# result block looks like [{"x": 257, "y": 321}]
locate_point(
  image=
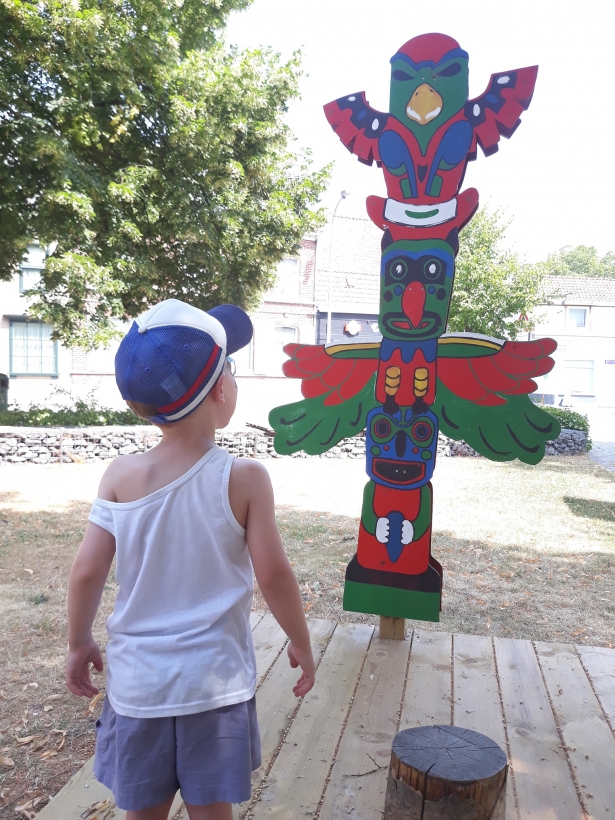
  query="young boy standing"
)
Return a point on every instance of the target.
[{"x": 187, "y": 523}]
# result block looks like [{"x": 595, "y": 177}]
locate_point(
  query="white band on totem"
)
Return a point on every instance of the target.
[{"x": 419, "y": 216}]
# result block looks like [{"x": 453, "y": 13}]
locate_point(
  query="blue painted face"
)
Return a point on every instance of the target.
[{"x": 401, "y": 449}]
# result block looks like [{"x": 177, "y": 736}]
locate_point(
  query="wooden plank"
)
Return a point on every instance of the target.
[
  {"x": 298, "y": 776},
  {"x": 269, "y": 639},
  {"x": 357, "y": 786},
  {"x": 83, "y": 791},
  {"x": 276, "y": 704},
  {"x": 428, "y": 689},
  {"x": 543, "y": 782},
  {"x": 588, "y": 737},
  {"x": 599, "y": 663},
  {"x": 255, "y": 619},
  {"x": 476, "y": 698}
]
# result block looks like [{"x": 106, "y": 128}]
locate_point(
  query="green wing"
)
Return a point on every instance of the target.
[
  {"x": 311, "y": 426},
  {"x": 516, "y": 429}
]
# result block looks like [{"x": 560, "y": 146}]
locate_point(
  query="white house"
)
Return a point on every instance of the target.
[
  {"x": 581, "y": 318},
  {"x": 341, "y": 265}
]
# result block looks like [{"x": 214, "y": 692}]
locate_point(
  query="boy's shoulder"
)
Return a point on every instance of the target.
[
  {"x": 250, "y": 470},
  {"x": 123, "y": 469}
]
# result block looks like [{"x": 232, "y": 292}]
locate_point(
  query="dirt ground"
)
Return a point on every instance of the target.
[{"x": 528, "y": 552}]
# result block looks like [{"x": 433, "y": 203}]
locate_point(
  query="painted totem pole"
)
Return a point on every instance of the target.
[{"x": 418, "y": 379}]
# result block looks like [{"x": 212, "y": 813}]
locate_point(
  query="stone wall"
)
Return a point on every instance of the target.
[{"x": 47, "y": 445}]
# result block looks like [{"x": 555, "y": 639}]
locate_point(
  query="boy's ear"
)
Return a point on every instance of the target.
[{"x": 218, "y": 389}]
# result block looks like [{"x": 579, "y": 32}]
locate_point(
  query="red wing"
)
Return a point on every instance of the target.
[
  {"x": 339, "y": 379},
  {"x": 496, "y": 112},
  {"x": 357, "y": 125},
  {"x": 483, "y": 380}
]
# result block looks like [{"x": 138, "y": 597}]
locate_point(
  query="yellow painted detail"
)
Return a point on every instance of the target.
[
  {"x": 456, "y": 340},
  {"x": 421, "y": 374},
  {"x": 392, "y": 380},
  {"x": 331, "y": 350},
  {"x": 421, "y": 381},
  {"x": 424, "y": 105}
]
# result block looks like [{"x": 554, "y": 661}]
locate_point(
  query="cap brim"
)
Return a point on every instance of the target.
[{"x": 236, "y": 323}]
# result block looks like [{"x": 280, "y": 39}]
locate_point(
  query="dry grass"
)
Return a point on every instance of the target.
[{"x": 528, "y": 552}]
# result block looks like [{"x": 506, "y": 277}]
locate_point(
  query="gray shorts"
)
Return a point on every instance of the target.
[{"x": 208, "y": 755}]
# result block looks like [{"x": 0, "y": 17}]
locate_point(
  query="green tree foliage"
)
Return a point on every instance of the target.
[
  {"x": 157, "y": 158},
  {"x": 580, "y": 261},
  {"x": 494, "y": 292}
]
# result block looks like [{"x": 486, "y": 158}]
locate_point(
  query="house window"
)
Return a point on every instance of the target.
[
  {"x": 32, "y": 350},
  {"x": 579, "y": 375},
  {"x": 577, "y": 318},
  {"x": 29, "y": 278},
  {"x": 287, "y": 282}
]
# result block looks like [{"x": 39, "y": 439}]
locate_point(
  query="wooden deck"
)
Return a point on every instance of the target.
[{"x": 550, "y": 706}]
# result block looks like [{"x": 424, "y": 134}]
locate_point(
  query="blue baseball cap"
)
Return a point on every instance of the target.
[{"x": 173, "y": 354}]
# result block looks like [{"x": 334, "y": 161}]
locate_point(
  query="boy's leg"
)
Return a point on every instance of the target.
[
  {"x": 160, "y": 812},
  {"x": 212, "y": 811}
]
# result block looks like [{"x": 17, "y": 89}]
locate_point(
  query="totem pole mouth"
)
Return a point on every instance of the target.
[
  {"x": 398, "y": 472},
  {"x": 424, "y": 105},
  {"x": 399, "y": 327}
]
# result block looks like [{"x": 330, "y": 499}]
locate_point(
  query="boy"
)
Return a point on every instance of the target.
[{"x": 186, "y": 522}]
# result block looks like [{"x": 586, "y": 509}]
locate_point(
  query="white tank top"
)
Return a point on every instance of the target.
[{"x": 179, "y": 636}]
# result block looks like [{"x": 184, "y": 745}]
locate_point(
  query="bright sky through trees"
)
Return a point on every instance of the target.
[{"x": 555, "y": 176}]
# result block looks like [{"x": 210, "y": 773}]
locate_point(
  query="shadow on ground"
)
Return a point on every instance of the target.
[
  {"x": 591, "y": 508},
  {"x": 511, "y": 591}
]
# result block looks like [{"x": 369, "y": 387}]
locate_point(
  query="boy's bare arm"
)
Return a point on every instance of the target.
[
  {"x": 272, "y": 569},
  {"x": 87, "y": 579}
]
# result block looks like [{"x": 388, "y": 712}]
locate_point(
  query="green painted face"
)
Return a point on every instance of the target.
[
  {"x": 425, "y": 98},
  {"x": 415, "y": 290}
]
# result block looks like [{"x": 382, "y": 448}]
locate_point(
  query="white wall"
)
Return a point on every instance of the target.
[{"x": 578, "y": 348}]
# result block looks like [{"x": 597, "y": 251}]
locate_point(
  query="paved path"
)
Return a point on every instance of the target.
[
  {"x": 603, "y": 452},
  {"x": 602, "y": 432}
]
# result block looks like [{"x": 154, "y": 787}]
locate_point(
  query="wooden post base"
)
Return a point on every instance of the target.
[
  {"x": 392, "y": 628},
  {"x": 445, "y": 773}
]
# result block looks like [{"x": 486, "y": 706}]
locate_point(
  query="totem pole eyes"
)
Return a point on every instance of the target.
[
  {"x": 415, "y": 293},
  {"x": 401, "y": 449},
  {"x": 424, "y": 94}
]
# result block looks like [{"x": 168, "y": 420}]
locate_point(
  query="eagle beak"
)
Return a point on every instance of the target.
[{"x": 424, "y": 104}]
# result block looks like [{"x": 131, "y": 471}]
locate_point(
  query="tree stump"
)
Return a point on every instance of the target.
[
  {"x": 445, "y": 773},
  {"x": 392, "y": 628}
]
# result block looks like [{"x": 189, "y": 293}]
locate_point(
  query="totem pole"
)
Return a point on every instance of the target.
[{"x": 418, "y": 379}]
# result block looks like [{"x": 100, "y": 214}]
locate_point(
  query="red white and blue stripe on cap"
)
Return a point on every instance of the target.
[{"x": 174, "y": 353}]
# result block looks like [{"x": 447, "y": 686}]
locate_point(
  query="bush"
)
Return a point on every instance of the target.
[
  {"x": 569, "y": 419},
  {"x": 64, "y": 411}
]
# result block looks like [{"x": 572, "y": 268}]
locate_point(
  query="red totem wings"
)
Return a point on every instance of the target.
[
  {"x": 322, "y": 375},
  {"x": 482, "y": 379}
]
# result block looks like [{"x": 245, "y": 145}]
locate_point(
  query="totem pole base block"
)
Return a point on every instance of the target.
[{"x": 374, "y": 599}]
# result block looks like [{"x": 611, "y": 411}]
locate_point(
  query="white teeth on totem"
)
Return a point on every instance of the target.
[
  {"x": 382, "y": 530},
  {"x": 407, "y": 532}
]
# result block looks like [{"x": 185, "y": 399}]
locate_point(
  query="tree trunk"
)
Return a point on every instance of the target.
[{"x": 445, "y": 773}]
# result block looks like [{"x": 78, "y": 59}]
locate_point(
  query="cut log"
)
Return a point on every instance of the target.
[
  {"x": 392, "y": 628},
  {"x": 445, "y": 773}
]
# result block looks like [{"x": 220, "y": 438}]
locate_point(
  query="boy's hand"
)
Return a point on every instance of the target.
[
  {"x": 78, "y": 669},
  {"x": 304, "y": 659}
]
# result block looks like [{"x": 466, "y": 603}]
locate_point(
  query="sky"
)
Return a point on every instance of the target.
[{"x": 555, "y": 178}]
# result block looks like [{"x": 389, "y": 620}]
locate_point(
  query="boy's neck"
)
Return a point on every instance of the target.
[{"x": 196, "y": 432}]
